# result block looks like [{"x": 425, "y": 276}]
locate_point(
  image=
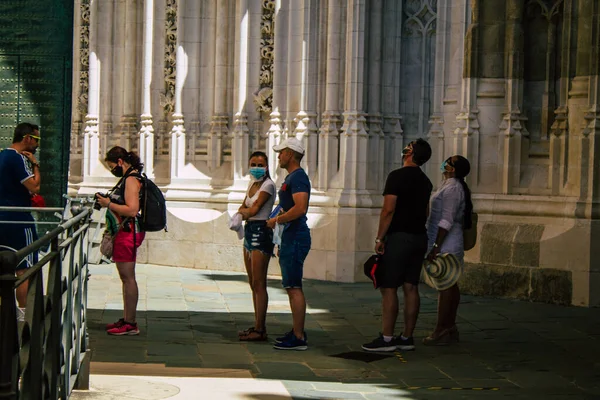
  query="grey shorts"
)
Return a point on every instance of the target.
[{"x": 403, "y": 258}]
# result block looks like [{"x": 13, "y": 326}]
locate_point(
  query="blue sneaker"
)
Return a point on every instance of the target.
[
  {"x": 293, "y": 343},
  {"x": 288, "y": 335}
]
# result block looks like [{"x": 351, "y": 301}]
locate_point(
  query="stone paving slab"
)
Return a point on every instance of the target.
[{"x": 189, "y": 321}]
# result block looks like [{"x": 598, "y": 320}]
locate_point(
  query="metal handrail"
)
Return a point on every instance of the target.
[{"x": 47, "y": 356}]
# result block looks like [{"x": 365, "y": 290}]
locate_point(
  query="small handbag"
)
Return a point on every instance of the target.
[
  {"x": 470, "y": 235},
  {"x": 107, "y": 244}
]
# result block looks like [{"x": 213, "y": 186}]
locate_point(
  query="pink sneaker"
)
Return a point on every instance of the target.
[
  {"x": 114, "y": 325},
  {"x": 125, "y": 329}
]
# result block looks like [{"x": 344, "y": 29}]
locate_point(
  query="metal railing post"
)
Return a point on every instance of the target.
[{"x": 9, "y": 340}]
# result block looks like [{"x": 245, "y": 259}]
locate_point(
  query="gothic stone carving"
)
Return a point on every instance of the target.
[
  {"x": 84, "y": 61},
  {"x": 263, "y": 98},
  {"x": 421, "y": 17},
  {"x": 167, "y": 99}
]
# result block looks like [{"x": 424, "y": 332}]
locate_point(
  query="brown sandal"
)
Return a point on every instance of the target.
[
  {"x": 246, "y": 332},
  {"x": 254, "y": 336}
]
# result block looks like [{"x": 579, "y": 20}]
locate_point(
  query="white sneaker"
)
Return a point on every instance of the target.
[{"x": 20, "y": 314}]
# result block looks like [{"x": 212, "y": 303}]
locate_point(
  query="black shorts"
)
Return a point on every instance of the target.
[{"x": 403, "y": 259}]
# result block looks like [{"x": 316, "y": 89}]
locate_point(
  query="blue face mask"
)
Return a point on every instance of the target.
[
  {"x": 443, "y": 166},
  {"x": 258, "y": 172}
]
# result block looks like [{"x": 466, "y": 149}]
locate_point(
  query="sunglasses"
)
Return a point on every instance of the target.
[{"x": 36, "y": 137}]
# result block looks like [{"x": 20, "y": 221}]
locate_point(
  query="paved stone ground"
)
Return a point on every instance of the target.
[{"x": 189, "y": 321}]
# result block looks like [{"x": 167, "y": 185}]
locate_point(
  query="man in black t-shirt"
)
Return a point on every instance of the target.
[{"x": 402, "y": 243}]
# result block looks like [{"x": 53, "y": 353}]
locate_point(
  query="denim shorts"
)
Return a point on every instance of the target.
[
  {"x": 292, "y": 253},
  {"x": 257, "y": 236}
]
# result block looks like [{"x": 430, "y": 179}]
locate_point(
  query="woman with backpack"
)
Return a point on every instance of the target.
[
  {"x": 123, "y": 207},
  {"x": 258, "y": 241},
  {"x": 450, "y": 213}
]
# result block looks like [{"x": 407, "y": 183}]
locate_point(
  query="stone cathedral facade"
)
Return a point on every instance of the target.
[{"x": 513, "y": 85}]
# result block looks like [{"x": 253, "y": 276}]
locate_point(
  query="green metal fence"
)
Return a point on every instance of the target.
[
  {"x": 36, "y": 51},
  {"x": 46, "y": 356}
]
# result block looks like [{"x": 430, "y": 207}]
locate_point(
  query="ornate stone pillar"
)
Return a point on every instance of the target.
[
  {"x": 588, "y": 53},
  {"x": 127, "y": 126},
  {"x": 146, "y": 133},
  {"x": 330, "y": 120},
  {"x": 354, "y": 137},
  {"x": 391, "y": 78},
  {"x": 178, "y": 142},
  {"x": 241, "y": 139},
  {"x": 375, "y": 171},
  {"x": 306, "y": 119},
  {"x": 560, "y": 128},
  {"x": 578, "y": 144},
  {"x": 110, "y": 61},
  {"x": 435, "y": 135},
  {"x": 512, "y": 127},
  {"x": 91, "y": 147},
  {"x": 466, "y": 134},
  {"x": 220, "y": 117},
  {"x": 275, "y": 134}
]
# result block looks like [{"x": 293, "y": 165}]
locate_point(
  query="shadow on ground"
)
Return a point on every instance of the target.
[{"x": 192, "y": 317}]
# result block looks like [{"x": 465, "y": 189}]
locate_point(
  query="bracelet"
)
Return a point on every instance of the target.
[
  {"x": 377, "y": 240},
  {"x": 435, "y": 245}
]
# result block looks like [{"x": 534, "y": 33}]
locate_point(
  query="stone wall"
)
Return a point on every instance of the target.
[{"x": 512, "y": 85}]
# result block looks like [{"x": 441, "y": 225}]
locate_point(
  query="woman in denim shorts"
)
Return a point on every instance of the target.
[{"x": 258, "y": 241}]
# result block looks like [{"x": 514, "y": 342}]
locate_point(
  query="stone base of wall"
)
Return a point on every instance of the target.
[{"x": 533, "y": 284}]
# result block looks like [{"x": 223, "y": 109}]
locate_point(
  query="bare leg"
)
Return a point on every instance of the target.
[
  {"x": 249, "y": 271},
  {"x": 298, "y": 306},
  {"x": 448, "y": 301},
  {"x": 130, "y": 290},
  {"x": 260, "y": 264},
  {"x": 389, "y": 309},
  {"x": 412, "y": 303},
  {"x": 22, "y": 290}
]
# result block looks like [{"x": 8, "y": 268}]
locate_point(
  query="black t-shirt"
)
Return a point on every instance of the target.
[{"x": 413, "y": 189}]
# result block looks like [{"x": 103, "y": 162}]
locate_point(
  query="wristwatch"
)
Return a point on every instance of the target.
[
  {"x": 435, "y": 245},
  {"x": 377, "y": 240}
]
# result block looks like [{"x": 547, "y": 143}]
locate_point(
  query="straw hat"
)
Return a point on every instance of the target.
[{"x": 443, "y": 272}]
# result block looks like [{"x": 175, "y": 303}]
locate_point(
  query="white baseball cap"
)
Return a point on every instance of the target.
[{"x": 290, "y": 143}]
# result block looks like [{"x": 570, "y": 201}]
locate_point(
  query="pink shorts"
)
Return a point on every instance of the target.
[{"x": 123, "y": 249}]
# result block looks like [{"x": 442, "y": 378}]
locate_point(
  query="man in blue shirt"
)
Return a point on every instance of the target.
[
  {"x": 19, "y": 178},
  {"x": 294, "y": 196}
]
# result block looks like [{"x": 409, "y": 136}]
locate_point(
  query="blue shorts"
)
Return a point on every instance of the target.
[
  {"x": 14, "y": 237},
  {"x": 292, "y": 253},
  {"x": 258, "y": 236}
]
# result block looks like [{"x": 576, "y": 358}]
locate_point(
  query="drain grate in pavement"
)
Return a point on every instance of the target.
[{"x": 362, "y": 356}]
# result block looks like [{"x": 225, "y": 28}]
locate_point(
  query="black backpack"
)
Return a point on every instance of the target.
[{"x": 153, "y": 207}]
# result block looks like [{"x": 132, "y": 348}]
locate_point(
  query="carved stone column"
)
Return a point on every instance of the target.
[
  {"x": 512, "y": 126},
  {"x": 276, "y": 129},
  {"x": 127, "y": 128},
  {"x": 241, "y": 139},
  {"x": 306, "y": 120},
  {"x": 391, "y": 79},
  {"x": 375, "y": 174},
  {"x": 435, "y": 135},
  {"x": 590, "y": 140},
  {"x": 354, "y": 137},
  {"x": 91, "y": 150},
  {"x": 146, "y": 134},
  {"x": 220, "y": 119},
  {"x": 466, "y": 134},
  {"x": 178, "y": 142},
  {"x": 330, "y": 119},
  {"x": 560, "y": 128}
]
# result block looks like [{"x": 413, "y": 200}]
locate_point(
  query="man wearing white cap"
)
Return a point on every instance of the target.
[{"x": 295, "y": 240}]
